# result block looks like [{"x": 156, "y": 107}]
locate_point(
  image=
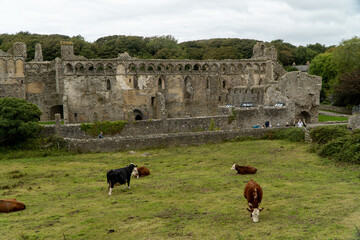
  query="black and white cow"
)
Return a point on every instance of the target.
[{"x": 121, "y": 176}]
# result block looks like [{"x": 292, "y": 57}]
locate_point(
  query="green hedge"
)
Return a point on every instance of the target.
[
  {"x": 337, "y": 142},
  {"x": 324, "y": 134},
  {"x": 107, "y": 127},
  {"x": 291, "y": 134}
]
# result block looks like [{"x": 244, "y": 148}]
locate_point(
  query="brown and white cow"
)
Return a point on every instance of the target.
[
  {"x": 11, "y": 205},
  {"x": 140, "y": 172},
  {"x": 244, "y": 169},
  {"x": 253, "y": 194}
]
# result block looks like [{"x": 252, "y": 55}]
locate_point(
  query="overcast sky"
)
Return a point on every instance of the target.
[{"x": 298, "y": 22}]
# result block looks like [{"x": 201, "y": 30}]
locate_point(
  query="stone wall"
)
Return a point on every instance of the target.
[
  {"x": 164, "y": 140},
  {"x": 336, "y": 109},
  {"x": 233, "y": 119},
  {"x": 41, "y": 88}
]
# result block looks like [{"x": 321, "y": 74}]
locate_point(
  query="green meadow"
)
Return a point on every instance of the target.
[
  {"x": 191, "y": 193},
  {"x": 326, "y": 118}
]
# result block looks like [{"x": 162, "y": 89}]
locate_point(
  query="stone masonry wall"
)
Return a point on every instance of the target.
[{"x": 165, "y": 140}]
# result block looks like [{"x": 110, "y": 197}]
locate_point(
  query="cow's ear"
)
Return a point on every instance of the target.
[
  {"x": 260, "y": 209},
  {"x": 248, "y": 209}
]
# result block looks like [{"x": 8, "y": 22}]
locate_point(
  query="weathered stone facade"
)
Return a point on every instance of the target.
[{"x": 86, "y": 90}]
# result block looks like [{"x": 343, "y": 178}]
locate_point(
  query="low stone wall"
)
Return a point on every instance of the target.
[
  {"x": 354, "y": 122},
  {"x": 241, "y": 119},
  {"x": 114, "y": 144},
  {"x": 336, "y": 109},
  {"x": 176, "y": 125}
]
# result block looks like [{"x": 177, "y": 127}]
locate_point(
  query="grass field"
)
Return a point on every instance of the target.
[
  {"x": 190, "y": 194},
  {"x": 326, "y": 118}
]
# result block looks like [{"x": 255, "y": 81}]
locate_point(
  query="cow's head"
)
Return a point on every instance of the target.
[
  {"x": 135, "y": 172},
  {"x": 132, "y": 165},
  {"x": 255, "y": 212},
  {"x": 233, "y": 167}
]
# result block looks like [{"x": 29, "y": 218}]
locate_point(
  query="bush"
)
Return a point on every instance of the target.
[
  {"x": 338, "y": 143},
  {"x": 291, "y": 134},
  {"x": 332, "y": 148},
  {"x": 18, "y": 121},
  {"x": 107, "y": 127},
  {"x": 324, "y": 134}
]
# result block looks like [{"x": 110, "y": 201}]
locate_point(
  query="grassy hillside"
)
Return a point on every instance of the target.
[{"x": 190, "y": 194}]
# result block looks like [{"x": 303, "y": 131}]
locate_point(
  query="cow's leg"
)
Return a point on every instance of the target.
[
  {"x": 110, "y": 188},
  {"x": 128, "y": 182}
]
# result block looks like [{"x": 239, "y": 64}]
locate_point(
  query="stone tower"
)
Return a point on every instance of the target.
[
  {"x": 67, "y": 50},
  {"x": 38, "y": 53}
]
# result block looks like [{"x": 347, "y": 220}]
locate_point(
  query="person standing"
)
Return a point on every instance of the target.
[{"x": 300, "y": 123}]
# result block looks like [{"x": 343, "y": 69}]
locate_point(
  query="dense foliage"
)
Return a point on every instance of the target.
[
  {"x": 107, "y": 127},
  {"x": 291, "y": 134},
  {"x": 337, "y": 142},
  {"x": 339, "y": 68},
  {"x": 347, "y": 91},
  {"x": 322, "y": 65},
  {"x": 158, "y": 47},
  {"x": 18, "y": 120}
]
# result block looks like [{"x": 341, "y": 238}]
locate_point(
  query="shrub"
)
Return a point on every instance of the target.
[
  {"x": 107, "y": 127},
  {"x": 292, "y": 134},
  {"x": 18, "y": 121},
  {"x": 332, "y": 148},
  {"x": 344, "y": 149},
  {"x": 324, "y": 134},
  {"x": 212, "y": 125}
]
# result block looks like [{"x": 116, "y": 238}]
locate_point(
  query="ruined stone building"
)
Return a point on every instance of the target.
[{"x": 87, "y": 90}]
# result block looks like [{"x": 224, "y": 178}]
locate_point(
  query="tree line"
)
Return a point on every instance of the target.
[{"x": 159, "y": 47}]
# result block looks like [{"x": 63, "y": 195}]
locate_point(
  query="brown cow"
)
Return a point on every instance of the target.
[
  {"x": 140, "y": 172},
  {"x": 244, "y": 169},
  {"x": 11, "y": 205},
  {"x": 253, "y": 193}
]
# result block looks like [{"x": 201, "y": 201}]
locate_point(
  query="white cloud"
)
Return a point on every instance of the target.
[{"x": 298, "y": 22}]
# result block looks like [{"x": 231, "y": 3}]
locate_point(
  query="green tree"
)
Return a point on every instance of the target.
[
  {"x": 347, "y": 92},
  {"x": 322, "y": 65},
  {"x": 157, "y": 43},
  {"x": 18, "y": 120},
  {"x": 286, "y": 51},
  {"x": 346, "y": 56},
  {"x": 304, "y": 55},
  {"x": 221, "y": 53}
]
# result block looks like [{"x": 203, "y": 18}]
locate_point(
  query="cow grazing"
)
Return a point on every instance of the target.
[
  {"x": 121, "y": 176},
  {"x": 140, "y": 172},
  {"x": 253, "y": 193},
  {"x": 244, "y": 169},
  {"x": 11, "y": 205}
]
